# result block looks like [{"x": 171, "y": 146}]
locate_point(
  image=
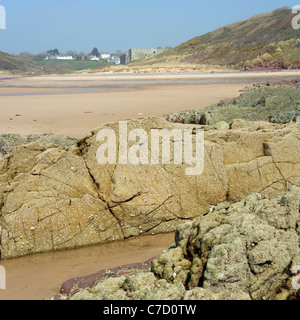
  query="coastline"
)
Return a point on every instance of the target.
[{"x": 37, "y": 105}]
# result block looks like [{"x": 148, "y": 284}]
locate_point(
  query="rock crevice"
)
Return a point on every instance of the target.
[
  {"x": 248, "y": 250},
  {"x": 55, "y": 197}
]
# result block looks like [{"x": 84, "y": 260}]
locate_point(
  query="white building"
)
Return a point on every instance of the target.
[
  {"x": 94, "y": 58},
  {"x": 64, "y": 58},
  {"x": 59, "y": 58},
  {"x": 104, "y": 55}
]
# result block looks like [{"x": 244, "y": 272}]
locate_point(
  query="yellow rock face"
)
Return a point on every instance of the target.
[{"x": 54, "y": 198}]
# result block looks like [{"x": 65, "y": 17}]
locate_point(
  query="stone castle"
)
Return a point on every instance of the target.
[{"x": 140, "y": 54}]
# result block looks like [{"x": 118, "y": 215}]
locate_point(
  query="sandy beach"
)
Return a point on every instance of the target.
[
  {"x": 76, "y": 104},
  {"x": 76, "y": 114}
]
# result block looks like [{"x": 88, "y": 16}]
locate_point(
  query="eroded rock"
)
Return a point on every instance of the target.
[
  {"x": 247, "y": 250},
  {"x": 56, "y": 198}
]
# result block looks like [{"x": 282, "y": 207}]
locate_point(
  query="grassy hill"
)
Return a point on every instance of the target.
[
  {"x": 13, "y": 64},
  {"x": 9, "y": 63},
  {"x": 264, "y": 38}
]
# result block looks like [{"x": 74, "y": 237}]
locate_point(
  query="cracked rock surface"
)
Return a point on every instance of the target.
[
  {"x": 244, "y": 251},
  {"x": 55, "y": 198}
]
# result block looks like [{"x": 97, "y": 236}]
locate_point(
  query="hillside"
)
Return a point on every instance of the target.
[
  {"x": 9, "y": 63},
  {"x": 266, "y": 40},
  {"x": 14, "y": 64}
]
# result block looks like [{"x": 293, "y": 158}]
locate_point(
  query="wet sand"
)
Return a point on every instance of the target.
[
  {"x": 77, "y": 114},
  {"x": 41, "y": 276},
  {"x": 35, "y": 105}
]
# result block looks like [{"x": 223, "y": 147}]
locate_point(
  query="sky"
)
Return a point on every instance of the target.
[{"x": 37, "y": 25}]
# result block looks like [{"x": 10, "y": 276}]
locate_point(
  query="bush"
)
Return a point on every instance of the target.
[{"x": 277, "y": 104}]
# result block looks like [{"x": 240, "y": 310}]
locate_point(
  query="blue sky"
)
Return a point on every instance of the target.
[{"x": 37, "y": 25}]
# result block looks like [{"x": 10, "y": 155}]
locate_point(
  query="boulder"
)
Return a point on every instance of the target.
[
  {"x": 247, "y": 247},
  {"x": 57, "y": 198},
  {"x": 50, "y": 202},
  {"x": 248, "y": 250}
]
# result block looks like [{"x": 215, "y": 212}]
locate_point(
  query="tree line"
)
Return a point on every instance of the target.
[{"x": 55, "y": 52}]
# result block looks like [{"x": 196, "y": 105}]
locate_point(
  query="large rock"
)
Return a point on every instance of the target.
[
  {"x": 154, "y": 198},
  {"x": 247, "y": 250},
  {"x": 247, "y": 247},
  {"x": 50, "y": 202},
  {"x": 57, "y": 198}
]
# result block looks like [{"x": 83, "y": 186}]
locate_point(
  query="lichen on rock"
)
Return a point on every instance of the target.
[{"x": 244, "y": 251}]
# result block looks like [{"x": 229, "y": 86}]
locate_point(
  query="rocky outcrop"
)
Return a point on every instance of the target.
[
  {"x": 55, "y": 138},
  {"x": 249, "y": 247},
  {"x": 9, "y": 141},
  {"x": 274, "y": 66},
  {"x": 275, "y": 102},
  {"x": 56, "y": 198},
  {"x": 245, "y": 251},
  {"x": 72, "y": 286}
]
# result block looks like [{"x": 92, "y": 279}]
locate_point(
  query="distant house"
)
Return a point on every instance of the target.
[
  {"x": 104, "y": 55},
  {"x": 51, "y": 57},
  {"x": 94, "y": 58},
  {"x": 114, "y": 59},
  {"x": 64, "y": 58}
]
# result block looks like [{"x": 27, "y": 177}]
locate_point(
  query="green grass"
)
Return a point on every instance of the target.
[{"x": 63, "y": 66}]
